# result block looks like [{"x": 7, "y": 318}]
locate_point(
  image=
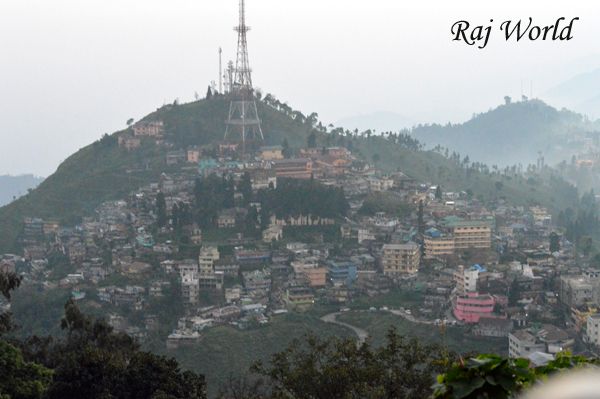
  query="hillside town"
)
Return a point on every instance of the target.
[{"x": 497, "y": 270}]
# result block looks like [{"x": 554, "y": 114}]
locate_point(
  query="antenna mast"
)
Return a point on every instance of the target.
[
  {"x": 243, "y": 114},
  {"x": 220, "y": 70}
]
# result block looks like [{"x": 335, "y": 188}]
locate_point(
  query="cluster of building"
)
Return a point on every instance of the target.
[{"x": 489, "y": 268}]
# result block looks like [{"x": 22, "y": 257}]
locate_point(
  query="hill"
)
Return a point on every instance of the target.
[
  {"x": 579, "y": 93},
  {"x": 103, "y": 171},
  {"x": 12, "y": 187},
  {"x": 512, "y": 133}
]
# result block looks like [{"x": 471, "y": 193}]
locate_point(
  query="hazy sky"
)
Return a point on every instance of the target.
[{"x": 72, "y": 70}]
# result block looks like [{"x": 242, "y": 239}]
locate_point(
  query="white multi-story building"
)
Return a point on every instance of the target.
[
  {"x": 592, "y": 333},
  {"x": 207, "y": 258},
  {"x": 190, "y": 287},
  {"x": 466, "y": 279}
]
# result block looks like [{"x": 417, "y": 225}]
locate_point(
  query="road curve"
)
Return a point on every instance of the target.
[{"x": 360, "y": 333}]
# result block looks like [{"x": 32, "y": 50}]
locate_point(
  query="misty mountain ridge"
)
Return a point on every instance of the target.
[
  {"x": 513, "y": 133},
  {"x": 580, "y": 93},
  {"x": 13, "y": 187}
]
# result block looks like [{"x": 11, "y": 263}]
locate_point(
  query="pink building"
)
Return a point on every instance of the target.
[{"x": 471, "y": 307}]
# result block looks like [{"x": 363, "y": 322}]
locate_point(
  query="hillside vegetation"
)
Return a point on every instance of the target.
[{"x": 102, "y": 171}]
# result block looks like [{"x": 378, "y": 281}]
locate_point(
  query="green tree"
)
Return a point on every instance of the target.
[
  {"x": 491, "y": 376},
  {"x": 161, "y": 210},
  {"x": 251, "y": 220},
  {"x": 554, "y": 242},
  {"x": 20, "y": 379},
  {"x": 438, "y": 193},
  {"x": 287, "y": 151},
  {"x": 245, "y": 188},
  {"x": 336, "y": 368},
  {"x": 311, "y": 141},
  {"x": 93, "y": 361},
  {"x": 8, "y": 282},
  {"x": 514, "y": 293},
  {"x": 586, "y": 244}
]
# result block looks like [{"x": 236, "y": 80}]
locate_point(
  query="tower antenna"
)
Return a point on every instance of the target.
[
  {"x": 220, "y": 70},
  {"x": 243, "y": 114}
]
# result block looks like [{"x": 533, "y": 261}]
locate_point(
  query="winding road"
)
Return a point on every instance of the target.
[{"x": 360, "y": 333}]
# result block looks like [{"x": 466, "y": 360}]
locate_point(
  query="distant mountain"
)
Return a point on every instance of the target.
[
  {"x": 12, "y": 187},
  {"x": 379, "y": 121},
  {"x": 513, "y": 133},
  {"x": 580, "y": 93}
]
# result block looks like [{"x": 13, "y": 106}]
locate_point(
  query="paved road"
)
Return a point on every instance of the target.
[
  {"x": 409, "y": 317},
  {"x": 361, "y": 334}
]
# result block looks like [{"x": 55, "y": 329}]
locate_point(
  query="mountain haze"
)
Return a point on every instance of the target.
[
  {"x": 580, "y": 93},
  {"x": 514, "y": 133}
]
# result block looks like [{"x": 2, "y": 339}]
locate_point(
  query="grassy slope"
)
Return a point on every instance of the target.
[
  {"x": 226, "y": 351},
  {"x": 377, "y": 324}
]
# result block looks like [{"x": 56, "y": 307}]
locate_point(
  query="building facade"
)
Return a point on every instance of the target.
[{"x": 401, "y": 259}]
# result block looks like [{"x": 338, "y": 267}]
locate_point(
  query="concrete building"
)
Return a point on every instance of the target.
[
  {"x": 271, "y": 153},
  {"x": 437, "y": 245},
  {"x": 188, "y": 277},
  {"x": 341, "y": 273},
  {"x": 466, "y": 279},
  {"x": 577, "y": 291},
  {"x": 208, "y": 277},
  {"x": 300, "y": 168},
  {"x": 471, "y": 234},
  {"x": 401, "y": 259},
  {"x": 299, "y": 298},
  {"x": 546, "y": 339},
  {"x": 149, "y": 128},
  {"x": 592, "y": 333},
  {"x": 379, "y": 184},
  {"x": 522, "y": 343},
  {"x": 207, "y": 258},
  {"x": 193, "y": 155},
  {"x": 471, "y": 307}
]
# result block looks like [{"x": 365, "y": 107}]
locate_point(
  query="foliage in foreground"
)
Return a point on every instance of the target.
[
  {"x": 90, "y": 361},
  {"x": 491, "y": 376},
  {"x": 403, "y": 368}
]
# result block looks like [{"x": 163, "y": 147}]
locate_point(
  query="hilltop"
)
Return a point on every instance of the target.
[
  {"x": 103, "y": 171},
  {"x": 513, "y": 133}
]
